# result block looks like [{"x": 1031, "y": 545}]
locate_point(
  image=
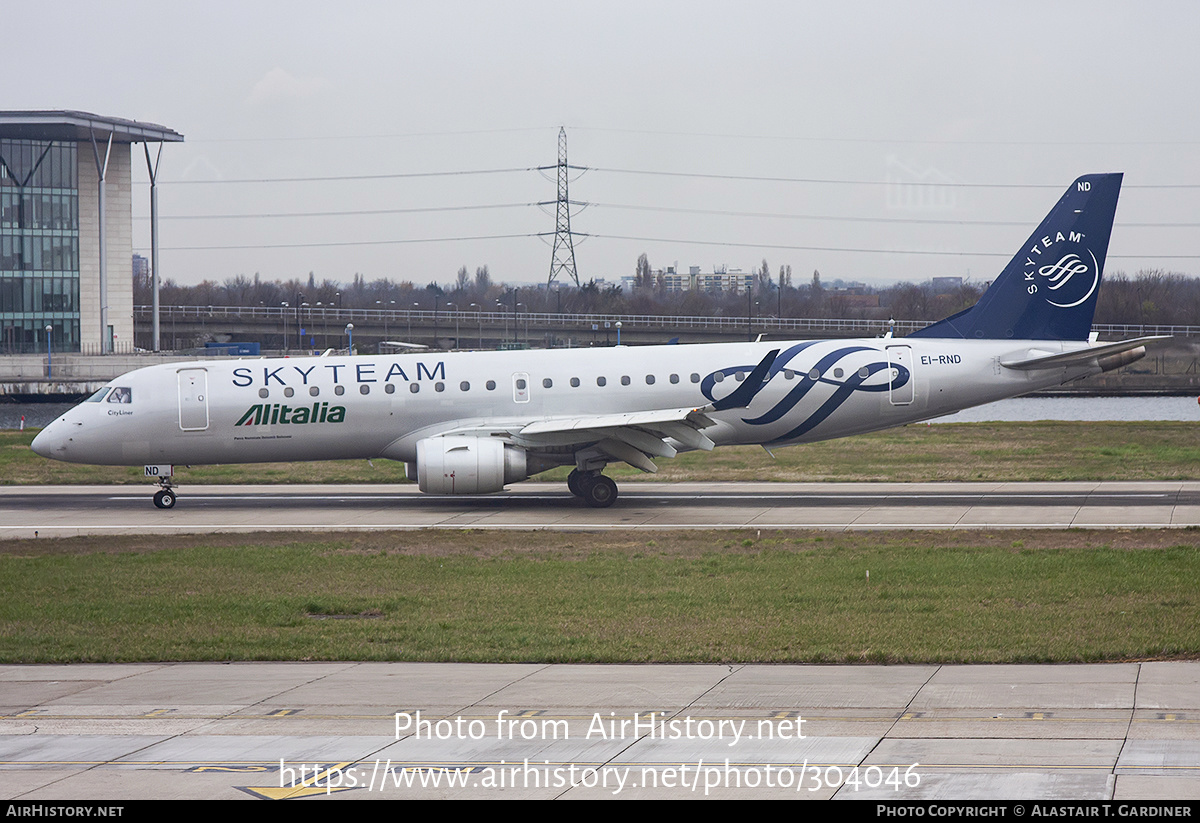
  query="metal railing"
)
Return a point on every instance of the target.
[{"x": 398, "y": 317}]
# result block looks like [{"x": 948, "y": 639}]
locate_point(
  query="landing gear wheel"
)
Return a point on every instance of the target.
[
  {"x": 165, "y": 499},
  {"x": 576, "y": 480},
  {"x": 600, "y": 492}
]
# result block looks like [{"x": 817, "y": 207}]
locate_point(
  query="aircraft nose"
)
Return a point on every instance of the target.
[{"x": 48, "y": 440}]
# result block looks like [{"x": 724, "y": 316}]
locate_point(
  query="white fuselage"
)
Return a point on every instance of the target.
[{"x": 288, "y": 409}]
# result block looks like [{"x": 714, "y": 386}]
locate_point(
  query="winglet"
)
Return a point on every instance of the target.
[{"x": 745, "y": 392}]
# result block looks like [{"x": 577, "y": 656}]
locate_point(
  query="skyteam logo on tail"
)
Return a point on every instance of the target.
[{"x": 1062, "y": 270}]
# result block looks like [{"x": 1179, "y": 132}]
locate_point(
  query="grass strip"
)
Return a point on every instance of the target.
[
  {"x": 1008, "y": 452},
  {"x": 686, "y": 597}
]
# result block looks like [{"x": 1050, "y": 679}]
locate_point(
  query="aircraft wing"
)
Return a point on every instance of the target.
[
  {"x": 637, "y": 437},
  {"x": 633, "y": 438}
]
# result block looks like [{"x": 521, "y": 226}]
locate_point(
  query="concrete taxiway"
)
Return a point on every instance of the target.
[
  {"x": 1103, "y": 732},
  {"x": 61, "y": 510}
]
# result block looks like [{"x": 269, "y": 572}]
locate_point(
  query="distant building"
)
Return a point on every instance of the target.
[
  {"x": 56, "y": 269},
  {"x": 945, "y": 285},
  {"x": 141, "y": 267},
  {"x": 720, "y": 280}
]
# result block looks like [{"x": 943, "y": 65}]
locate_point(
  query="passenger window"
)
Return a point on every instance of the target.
[
  {"x": 364, "y": 389},
  {"x": 814, "y": 374},
  {"x": 390, "y": 388},
  {"x": 719, "y": 377},
  {"x": 465, "y": 386},
  {"x": 414, "y": 387},
  {"x": 649, "y": 380},
  {"x": 339, "y": 390},
  {"x": 695, "y": 377},
  {"x": 864, "y": 372},
  {"x": 838, "y": 372},
  {"x": 289, "y": 391},
  {"x": 788, "y": 374},
  {"x": 491, "y": 385},
  {"x": 674, "y": 378},
  {"x": 574, "y": 382},
  {"x": 624, "y": 380},
  {"x": 263, "y": 393},
  {"x": 547, "y": 383},
  {"x": 740, "y": 376},
  {"x": 600, "y": 381},
  {"x": 314, "y": 391},
  {"x": 521, "y": 383},
  {"x": 439, "y": 386}
]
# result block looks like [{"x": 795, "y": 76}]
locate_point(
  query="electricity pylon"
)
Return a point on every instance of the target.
[{"x": 563, "y": 257}]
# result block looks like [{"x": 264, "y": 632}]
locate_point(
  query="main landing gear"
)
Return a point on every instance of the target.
[
  {"x": 164, "y": 498},
  {"x": 597, "y": 491}
]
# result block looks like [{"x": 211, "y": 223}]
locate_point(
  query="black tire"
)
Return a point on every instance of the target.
[
  {"x": 600, "y": 493},
  {"x": 165, "y": 499},
  {"x": 576, "y": 480}
]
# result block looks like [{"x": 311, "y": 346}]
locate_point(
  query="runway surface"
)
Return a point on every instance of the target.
[
  {"x": 1084, "y": 733},
  {"x": 62, "y": 510}
]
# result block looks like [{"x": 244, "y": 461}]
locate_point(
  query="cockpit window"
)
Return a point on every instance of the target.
[
  {"x": 98, "y": 396},
  {"x": 121, "y": 394}
]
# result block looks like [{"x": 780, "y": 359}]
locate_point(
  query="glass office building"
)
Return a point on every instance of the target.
[
  {"x": 66, "y": 239},
  {"x": 39, "y": 246}
]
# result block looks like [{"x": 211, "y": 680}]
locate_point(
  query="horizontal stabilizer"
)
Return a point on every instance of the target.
[{"x": 1080, "y": 357}]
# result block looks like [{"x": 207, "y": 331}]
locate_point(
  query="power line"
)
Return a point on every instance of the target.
[
  {"x": 843, "y": 182},
  {"x": 353, "y": 243},
  {"x": 844, "y": 219},
  {"x": 292, "y": 138},
  {"x": 921, "y": 221},
  {"x": 676, "y": 241},
  {"x": 788, "y": 247},
  {"x": 354, "y": 213},
  {"x": 661, "y": 173},
  {"x": 891, "y": 141},
  {"x": 336, "y": 178}
]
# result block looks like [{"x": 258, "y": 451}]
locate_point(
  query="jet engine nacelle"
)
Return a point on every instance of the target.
[{"x": 457, "y": 464}]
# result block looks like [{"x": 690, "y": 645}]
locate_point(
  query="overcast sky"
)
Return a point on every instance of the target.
[{"x": 871, "y": 97}]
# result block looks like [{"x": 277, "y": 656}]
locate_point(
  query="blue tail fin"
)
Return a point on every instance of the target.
[{"x": 1048, "y": 290}]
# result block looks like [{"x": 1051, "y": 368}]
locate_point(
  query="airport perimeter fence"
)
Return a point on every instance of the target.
[{"x": 309, "y": 315}]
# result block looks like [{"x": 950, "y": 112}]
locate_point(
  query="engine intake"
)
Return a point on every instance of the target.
[{"x": 461, "y": 464}]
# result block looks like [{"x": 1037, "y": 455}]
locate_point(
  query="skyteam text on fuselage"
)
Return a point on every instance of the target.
[{"x": 472, "y": 422}]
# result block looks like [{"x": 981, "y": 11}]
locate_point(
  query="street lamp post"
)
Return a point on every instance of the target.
[
  {"x": 49, "y": 348},
  {"x": 299, "y": 321},
  {"x": 456, "y": 321},
  {"x": 350, "y": 337}
]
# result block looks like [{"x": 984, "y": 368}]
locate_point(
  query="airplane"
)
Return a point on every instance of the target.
[{"x": 466, "y": 423}]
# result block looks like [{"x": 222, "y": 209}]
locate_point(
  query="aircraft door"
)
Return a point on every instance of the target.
[
  {"x": 900, "y": 375},
  {"x": 520, "y": 387},
  {"x": 193, "y": 399}
]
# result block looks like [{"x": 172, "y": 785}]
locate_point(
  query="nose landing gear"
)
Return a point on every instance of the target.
[{"x": 164, "y": 498}]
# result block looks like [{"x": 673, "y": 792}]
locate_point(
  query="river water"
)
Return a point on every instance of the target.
[{"x": 1020, "y": 409}]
